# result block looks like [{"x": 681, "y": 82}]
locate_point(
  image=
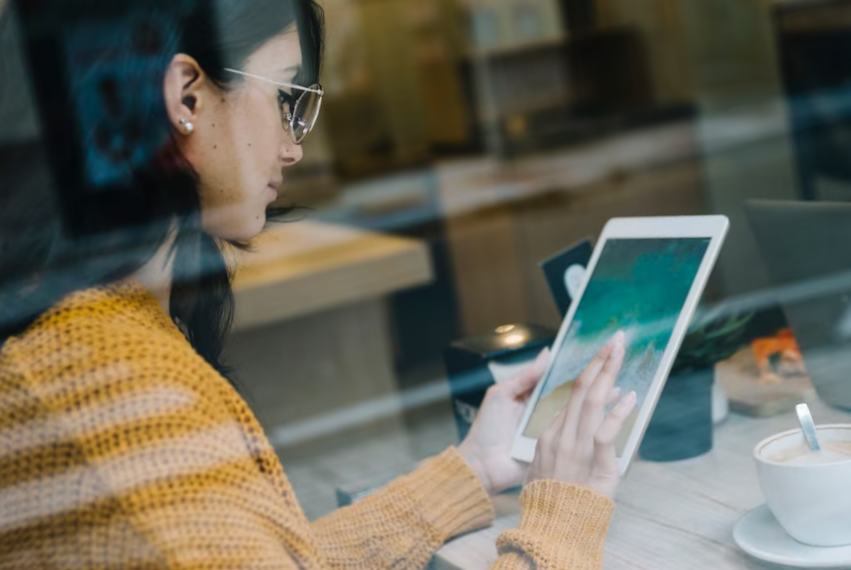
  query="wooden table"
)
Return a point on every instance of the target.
[
  {"x": 312, "y": 334},
  {"x": 676, "y": 516}
]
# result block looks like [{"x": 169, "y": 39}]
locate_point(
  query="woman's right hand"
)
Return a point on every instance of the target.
[{"x": 579, "y": 446}]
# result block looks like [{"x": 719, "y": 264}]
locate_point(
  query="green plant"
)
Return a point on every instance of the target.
[{"x": 712, "y": 337}]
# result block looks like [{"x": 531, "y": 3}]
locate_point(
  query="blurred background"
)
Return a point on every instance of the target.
[{"x": 461, "y": 142}]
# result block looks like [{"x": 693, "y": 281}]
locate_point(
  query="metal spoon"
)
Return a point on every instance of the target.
[{"x": 807, "y": 426}]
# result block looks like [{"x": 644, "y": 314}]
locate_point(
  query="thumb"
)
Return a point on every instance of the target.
[{"x": 523, "y": 382}]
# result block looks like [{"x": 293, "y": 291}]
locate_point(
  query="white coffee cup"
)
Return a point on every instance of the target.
[{"x": 809, "y": 492}]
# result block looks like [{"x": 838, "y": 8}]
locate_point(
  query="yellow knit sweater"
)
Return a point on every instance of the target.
[{"x": 120, "y": 447}]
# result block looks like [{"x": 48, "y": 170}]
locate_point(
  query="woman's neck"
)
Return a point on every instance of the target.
[{"x": 156, "y": 275}]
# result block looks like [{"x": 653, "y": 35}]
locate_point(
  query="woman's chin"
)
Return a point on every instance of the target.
[
  {"x": 254, "y": 228},
  {"x": 238, "y": 231}
]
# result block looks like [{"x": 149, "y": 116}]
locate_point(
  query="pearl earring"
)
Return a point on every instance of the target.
[{"x": 187, "y": 125}]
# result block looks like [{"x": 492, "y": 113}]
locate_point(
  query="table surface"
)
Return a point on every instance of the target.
[
  {"x": 303, "y": 267},
  {"x": 676, "y": 516}
]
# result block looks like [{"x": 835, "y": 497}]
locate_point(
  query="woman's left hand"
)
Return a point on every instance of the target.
[{"x": 487, "y": 448}]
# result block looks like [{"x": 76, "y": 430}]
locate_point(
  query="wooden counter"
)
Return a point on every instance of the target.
[
  {"x": 503, "y": 217},
  {"x": 312, "y": 336},
  {"x": 299, "y": 268}
]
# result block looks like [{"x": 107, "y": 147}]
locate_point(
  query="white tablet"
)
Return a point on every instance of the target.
[{"x": 645, "y": 277}]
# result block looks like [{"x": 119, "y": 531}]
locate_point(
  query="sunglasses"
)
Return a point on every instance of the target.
[{"x": 303, "y": 113}]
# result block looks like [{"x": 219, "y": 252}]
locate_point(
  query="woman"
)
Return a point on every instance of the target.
[{"x": 122, "y": 444}]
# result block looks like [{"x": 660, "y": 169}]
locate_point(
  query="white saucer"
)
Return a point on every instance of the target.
[{"x": 759, "y": 534}]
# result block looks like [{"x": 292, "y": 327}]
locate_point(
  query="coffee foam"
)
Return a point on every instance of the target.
[{"x": 831, "y": 452}]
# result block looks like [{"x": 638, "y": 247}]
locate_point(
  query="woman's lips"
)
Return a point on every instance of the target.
[{"x": 271, "y": 192}]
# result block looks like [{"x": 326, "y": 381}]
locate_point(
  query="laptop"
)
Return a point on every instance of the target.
[{"x": 806, "y": 247}]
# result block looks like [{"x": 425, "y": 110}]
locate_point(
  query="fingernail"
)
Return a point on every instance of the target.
[
  {"x": 627, "y": 401},
  {"x": 620, "y": 338}
]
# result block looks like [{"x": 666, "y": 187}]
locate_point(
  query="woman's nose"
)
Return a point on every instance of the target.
[{"x": 291, "y": 153}]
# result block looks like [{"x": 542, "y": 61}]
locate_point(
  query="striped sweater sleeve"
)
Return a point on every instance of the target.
[
  {"x": 121, "y": 448},
  {"x": 402, "y": 525},
  {"x": 562, "y": 526}
]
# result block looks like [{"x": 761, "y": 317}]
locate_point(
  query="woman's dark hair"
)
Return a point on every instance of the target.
[{"x": 99, "y": 194}]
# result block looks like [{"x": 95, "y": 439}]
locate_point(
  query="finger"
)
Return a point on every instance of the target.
[
  {"x": 596, "y": 365},
  {"x": 613, "y": 396},
  {"x": 581, "y": 384},
  {"x": 593, "y": 408},
  {"x": 581, "y": 391},
  {"x": 605, "y": 459},
  {"x": 528, "y": 378}
]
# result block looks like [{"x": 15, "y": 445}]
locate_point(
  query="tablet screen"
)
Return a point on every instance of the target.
[{"x": 638, "y": 286}]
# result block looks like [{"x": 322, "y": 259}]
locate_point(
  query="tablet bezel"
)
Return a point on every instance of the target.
[{"x": 713, "y": 227}]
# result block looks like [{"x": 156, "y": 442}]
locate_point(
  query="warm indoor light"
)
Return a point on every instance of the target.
[{"x": 514, "y": 338}]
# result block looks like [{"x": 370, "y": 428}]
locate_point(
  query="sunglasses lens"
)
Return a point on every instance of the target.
[{"x": 305, "y": 113}]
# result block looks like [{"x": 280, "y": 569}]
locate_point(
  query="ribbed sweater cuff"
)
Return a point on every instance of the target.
[
  {"x": 452, "y": 496},
  {"x": 571, "y": 515}
]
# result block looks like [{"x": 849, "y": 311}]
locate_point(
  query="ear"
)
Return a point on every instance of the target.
[{"x": 185, "y": 89}]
